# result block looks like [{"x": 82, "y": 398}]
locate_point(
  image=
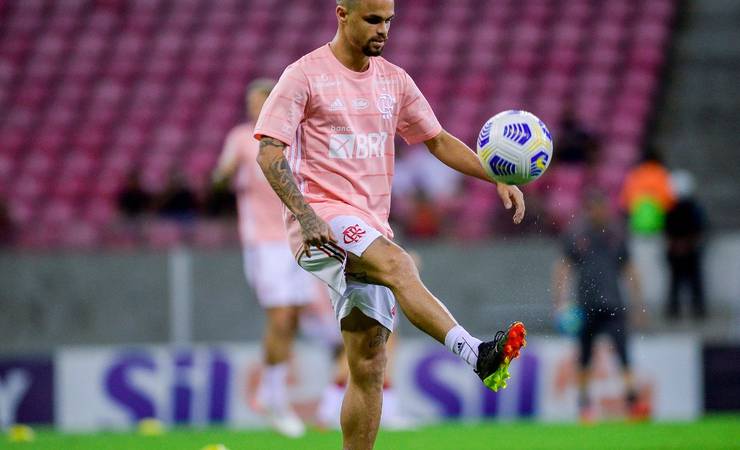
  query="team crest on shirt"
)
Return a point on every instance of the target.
[
  {"x": 386, "y": 103},
  {"x": 353, "y": 233}
]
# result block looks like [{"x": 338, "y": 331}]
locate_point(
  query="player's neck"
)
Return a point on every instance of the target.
[{"x": 351, "y": 59}]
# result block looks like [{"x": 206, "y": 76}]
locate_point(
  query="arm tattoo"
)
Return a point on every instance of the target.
[{"x": 278, "y": 174}]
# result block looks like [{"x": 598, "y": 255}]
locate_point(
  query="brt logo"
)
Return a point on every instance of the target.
[{"x": 357, "y": 146}]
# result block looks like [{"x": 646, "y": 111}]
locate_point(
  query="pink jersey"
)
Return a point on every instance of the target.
[
  {"x": 340, "y": 127},
  {"x": 260, "y": 209}
]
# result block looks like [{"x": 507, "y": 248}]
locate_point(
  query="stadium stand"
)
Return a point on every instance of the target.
[{"x": 90, "y": 90}]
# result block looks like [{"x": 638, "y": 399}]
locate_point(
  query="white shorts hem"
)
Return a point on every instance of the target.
[{"x": 365, "y": 309}]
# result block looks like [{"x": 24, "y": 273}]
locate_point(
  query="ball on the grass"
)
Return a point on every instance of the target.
[
  {"x": 151, "y": 427},
  {"x": 20, "y": 433}
]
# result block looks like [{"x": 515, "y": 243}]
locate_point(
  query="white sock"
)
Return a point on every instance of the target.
[
  {"x": 461, "y": 343},
  {"x": 390, "y": 404},
  {"x": 273, "y": 391},
  {"x": 330, "y": 406}
]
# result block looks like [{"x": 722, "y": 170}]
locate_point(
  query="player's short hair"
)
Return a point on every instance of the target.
[
  {"x": 264, "y": 85},
  {"x": 349, "y": 4}
]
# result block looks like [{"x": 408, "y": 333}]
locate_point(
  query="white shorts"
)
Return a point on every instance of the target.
[
  {"x": 276, "y": 278},
  {"x": 329, "y": 261},
  {"x": 317, "y": 320}
]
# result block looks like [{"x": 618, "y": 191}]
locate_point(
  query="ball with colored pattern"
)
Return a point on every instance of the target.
[{"x": 514, "y": 147}]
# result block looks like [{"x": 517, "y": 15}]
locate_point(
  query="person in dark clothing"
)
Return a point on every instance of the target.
[
  {"x": 220, "y": 200},
  {"x": 7, "y": 227},
  {"x": 178, "y": 202},
  {"x": 596, "y": 253},
  {"x": 685, "y": 225},
  {"x": 576, "y": 145},
  {"x": 133, "y": 200}
]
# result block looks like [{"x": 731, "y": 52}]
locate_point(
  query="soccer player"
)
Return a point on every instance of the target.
[
  {"x": 596, "y": 252},
  {"x": 281, "y": 286},
  {"x": 326, "y": 146}
]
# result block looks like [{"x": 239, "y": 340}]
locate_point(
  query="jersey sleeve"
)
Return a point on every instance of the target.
[
  {"x": 285, "y": 108},
  {"x": 416, "y": 120}
]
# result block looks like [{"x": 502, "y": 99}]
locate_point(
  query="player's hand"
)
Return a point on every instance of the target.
[
  {"x": 315, "y": 231},
  {"x": 512, "y": 196}
]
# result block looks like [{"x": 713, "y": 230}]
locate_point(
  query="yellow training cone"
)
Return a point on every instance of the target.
[{"x": 215, "y": 447}]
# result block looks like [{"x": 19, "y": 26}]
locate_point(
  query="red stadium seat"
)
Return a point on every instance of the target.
[{"x": 102, "y": 88}]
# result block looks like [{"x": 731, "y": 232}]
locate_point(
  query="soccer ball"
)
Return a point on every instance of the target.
[{"x": 515, "y": 147}]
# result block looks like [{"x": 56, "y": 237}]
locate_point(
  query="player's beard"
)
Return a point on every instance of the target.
[{"x": 368, "y": 50}]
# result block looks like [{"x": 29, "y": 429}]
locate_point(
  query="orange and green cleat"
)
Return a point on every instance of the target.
[{"x": 495, "y": 356}]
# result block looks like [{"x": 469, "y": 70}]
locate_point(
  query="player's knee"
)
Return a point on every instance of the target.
[
  {"x": 283, "y": 324},
  {"x": 400, "y": 269},
  {"x": 368, "y": 368}
]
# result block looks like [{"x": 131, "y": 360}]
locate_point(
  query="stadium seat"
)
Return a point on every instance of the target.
[{"x": 102, "y": 88}]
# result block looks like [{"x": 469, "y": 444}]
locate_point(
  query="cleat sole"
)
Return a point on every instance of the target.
[{"x": 514, "y": 341}]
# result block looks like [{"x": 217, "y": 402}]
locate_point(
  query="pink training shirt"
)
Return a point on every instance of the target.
[
  {"x": 260, "y": 209},
  {"x": 340, "y": 127}
]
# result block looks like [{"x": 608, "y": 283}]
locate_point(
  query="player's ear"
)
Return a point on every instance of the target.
[{"x": 342, "y": 14}]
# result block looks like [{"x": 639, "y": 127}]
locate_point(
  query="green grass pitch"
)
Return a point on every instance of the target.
[{"x": 719, "y": 432}]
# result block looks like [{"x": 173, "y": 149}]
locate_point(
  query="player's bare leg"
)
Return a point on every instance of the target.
[
  {"x": 387, "y": 264},
  {"x": 364, "y": 340},
  {"x": 586, "y": 411},
  {"x": 280, "y": 332}
]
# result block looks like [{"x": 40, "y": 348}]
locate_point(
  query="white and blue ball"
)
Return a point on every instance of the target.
[{"x": 514, "y": 147}]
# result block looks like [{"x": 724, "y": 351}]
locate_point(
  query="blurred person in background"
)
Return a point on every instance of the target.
[
  {"x": 424, "y": 192},
  {"x": 177, "y": 201},
  {"x": 647, "y": 194},
  {"x": 685, "y": 226},
  {"x": 595, "y": 255},
  {"x": 7, "y": 226},
  {"x": 577, "y": 146},
  {"x": 281, "y": 286},
  {"x": 133, "y": 200},
  {"x": 220, "y": 201},
  {"x": 425, "y": 221}
]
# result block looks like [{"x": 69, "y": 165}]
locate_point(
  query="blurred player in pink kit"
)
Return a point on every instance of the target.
[
  {"x": 280, "y": 285},
  {"x": 326, "y": 147}
]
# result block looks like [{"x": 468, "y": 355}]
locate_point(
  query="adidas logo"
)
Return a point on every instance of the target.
[
  {"x": 459, "y": 347},
  {"x": 337, "y": 105}
]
